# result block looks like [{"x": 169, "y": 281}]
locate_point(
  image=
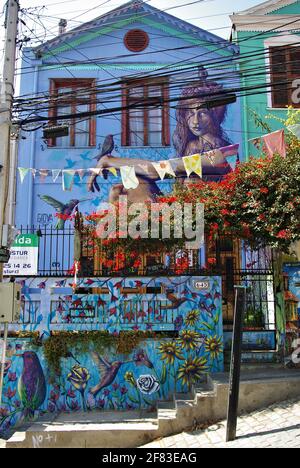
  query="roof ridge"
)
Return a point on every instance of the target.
[
  {"x": 141, "y": 6},
  {"x": 267, "y": 7}
]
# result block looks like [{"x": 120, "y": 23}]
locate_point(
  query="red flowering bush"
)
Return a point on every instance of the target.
[{"x": 259, "y": 201}]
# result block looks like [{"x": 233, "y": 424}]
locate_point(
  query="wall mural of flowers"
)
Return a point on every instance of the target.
[{"x": 154, "y": 369}]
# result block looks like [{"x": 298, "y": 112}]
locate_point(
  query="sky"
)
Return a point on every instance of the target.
[{"x": 42, "y": 16}]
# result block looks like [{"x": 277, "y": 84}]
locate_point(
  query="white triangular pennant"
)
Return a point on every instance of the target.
[
  {"x": 23, "y": 171},
  {"x": 81, "y": 173},
  {"x": 55, "y": 174},
  {"x": 43, "y": 174},
  {"x": 163, "y": 168},
  {"x": 294, "y": 129},
  {"x": 96, "y": 170},
  {"x": 145, "y": 167},
  {"x": 129, "y": 179}
]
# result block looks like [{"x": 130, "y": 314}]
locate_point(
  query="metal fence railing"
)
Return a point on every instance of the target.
[{"x": 56, "y": 250}]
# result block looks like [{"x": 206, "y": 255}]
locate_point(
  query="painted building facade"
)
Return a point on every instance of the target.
[
  {"x": 134, "y": 54},
  {"x": 108, "y": 68},
  {"x": 268, "y": 38},
  {"x": 103, "y": 63}
]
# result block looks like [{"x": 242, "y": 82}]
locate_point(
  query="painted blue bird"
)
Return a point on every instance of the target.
[
  {"x": 32, "y": 383},
  {"x": 70, "y": 164},
  {"x": 107, "y": 148},
  {"x": 84, "y": 156}
]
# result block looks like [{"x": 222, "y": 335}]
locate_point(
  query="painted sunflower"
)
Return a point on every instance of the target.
[
  {"x": 169, "y": 352},
  {"x": 192, "y": 370},
  {"x": 192, "y": 318},
  {"x": 189, "y": 339},
  {"x": 214, "y": 346}
]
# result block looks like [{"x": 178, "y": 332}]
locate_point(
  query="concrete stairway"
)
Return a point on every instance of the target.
[{"x": 206, "y": 403}]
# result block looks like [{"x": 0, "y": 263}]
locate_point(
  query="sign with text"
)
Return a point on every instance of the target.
[
  {"x": 23, "y": 256},
  {"x": 201, "y": 285}
]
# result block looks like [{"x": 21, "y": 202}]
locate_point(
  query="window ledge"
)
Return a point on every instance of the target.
[
  {"x": 145, "y": 147},
  {"x": 278, "y": 109},
  {"x": 71, "y": 147}
]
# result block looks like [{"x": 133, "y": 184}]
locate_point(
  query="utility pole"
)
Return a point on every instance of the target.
[{"x": 6, "y": 102}]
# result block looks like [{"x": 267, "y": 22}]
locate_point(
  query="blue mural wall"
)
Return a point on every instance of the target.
[
  {"x": 293, "y": 271},
  {"x": 99, "y": 44},
  {"x": 151, "y": 372}
]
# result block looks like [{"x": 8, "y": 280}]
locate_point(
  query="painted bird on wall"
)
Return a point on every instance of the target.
[
  {"x": 108, "y": 372},
  {"x": 32, "y": 383},
  {"x": 107, "y": 148},
  {"x": 62, "y": 209}
]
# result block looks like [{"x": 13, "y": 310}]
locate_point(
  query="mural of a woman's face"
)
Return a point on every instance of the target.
[{"x": 199, "y": 121}]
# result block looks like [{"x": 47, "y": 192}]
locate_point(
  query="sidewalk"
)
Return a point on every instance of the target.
[{"x": 275, "y": 427}]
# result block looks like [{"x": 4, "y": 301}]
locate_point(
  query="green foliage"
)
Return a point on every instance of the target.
[
  {"x": 254, "y": 319},
  {"x": 61, "y": 344},
  {"x": 258, "y": 121},
  {"x": 259, "y": 201}
]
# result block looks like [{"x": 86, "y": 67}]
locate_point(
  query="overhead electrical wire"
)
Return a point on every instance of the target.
[
  {"x": 125, "y": 7},
  {"x": 115, "y": 87},
  {"x": 222, "y": 60},
  {"x": 231, "y": 77},
  {"x": 152, "y": 75}
]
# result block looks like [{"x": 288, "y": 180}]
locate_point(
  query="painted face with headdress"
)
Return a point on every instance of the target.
[{"x": 200, "y": 129}]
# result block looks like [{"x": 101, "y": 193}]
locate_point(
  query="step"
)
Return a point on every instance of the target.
[{"x": 89, "y": 430}]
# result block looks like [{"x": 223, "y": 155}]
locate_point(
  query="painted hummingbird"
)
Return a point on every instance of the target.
[
  {"x": 108, "y": 372},
  {"x": 63, "y": 209},
  {"x": 32, "y": 383}
]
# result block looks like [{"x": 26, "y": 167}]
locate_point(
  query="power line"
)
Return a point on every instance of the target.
[
  {"x": 89, "y": 25},
  {"x": 113, "y": 87}
]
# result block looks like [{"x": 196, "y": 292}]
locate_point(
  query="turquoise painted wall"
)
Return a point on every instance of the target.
[{"x": 253, "y": 73}]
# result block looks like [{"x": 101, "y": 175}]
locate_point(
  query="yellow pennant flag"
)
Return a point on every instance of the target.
[
  {"x": 193, "y": 164},
  {"x": 113, "y": 171}
]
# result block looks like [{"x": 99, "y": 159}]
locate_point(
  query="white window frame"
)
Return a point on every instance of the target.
[{"x": 277, "y": 41}]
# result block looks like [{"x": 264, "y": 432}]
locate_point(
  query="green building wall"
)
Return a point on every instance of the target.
[{"x": 254, "y": 73}]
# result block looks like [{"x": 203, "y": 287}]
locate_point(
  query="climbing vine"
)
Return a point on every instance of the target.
[{"x": 64, "y": 343}]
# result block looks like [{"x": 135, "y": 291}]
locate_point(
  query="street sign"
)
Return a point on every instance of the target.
[{"x": 23, "y": 256}]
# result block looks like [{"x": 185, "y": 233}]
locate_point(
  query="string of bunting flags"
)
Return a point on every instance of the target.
[
  {"x": 192, "y": 164},
  {"x": 275, "y": 142}
]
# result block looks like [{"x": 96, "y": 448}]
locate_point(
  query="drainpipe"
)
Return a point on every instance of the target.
[{"x": 32, "y": 155}]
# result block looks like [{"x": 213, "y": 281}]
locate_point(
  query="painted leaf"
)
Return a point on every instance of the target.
[
  {"x": 111, "y": 405},
  {"x": 148, "y": 402},
  {"x": 133, "y": 400},
  {"x": 207, "y": 325},
  {"x": 163, "y": 375}
]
